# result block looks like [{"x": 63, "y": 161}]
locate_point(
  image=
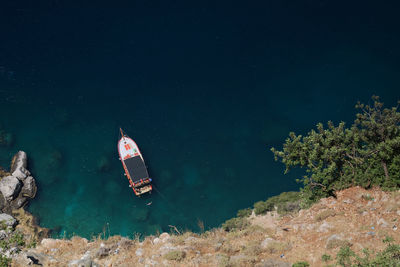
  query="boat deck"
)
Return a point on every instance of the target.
[{"x": 136, "y": 168}]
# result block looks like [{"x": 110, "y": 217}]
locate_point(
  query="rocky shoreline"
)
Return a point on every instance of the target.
[{"x": 18, "y": 228}]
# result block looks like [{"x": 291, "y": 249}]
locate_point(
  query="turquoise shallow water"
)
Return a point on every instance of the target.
[{"x": 204, "y": 100}]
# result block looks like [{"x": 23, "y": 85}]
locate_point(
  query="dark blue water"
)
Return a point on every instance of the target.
[{"x": 204, "y": 89}]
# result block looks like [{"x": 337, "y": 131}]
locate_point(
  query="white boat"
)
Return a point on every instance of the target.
[{"x": 134, "y": 166}]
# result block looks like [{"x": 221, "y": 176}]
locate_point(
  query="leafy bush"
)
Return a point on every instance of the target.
[
  {"x": 326, "y": 258},
  {"x": 390, "y": 256},
  {"x": 285, "y": 202},
  {"x": 262, "y": 207},
  {"x": 244, "y": 212},
  {"x": 175, "y": 255},
  {"x": 301, "y": 264},
  {"x": 235, "y": 224},
  {"x": 4, "y": 261},
  {"x": 17, "y": 239},
  {"x": 336, "y": 157}
]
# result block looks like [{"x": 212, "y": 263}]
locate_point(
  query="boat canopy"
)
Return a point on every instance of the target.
[{"x": 136, "y": 168}]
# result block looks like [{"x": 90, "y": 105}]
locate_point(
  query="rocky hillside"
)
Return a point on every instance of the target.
[{"x": 357, "y": 218}]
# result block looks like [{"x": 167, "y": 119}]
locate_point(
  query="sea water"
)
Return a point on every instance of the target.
[{"x": 204, "y": 91}]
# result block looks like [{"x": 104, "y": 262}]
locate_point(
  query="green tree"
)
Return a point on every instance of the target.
[{"x": 336, "y": 157}]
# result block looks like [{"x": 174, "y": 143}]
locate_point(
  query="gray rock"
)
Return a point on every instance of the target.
[
  {"x": 273, "y": 263},
  {"x": 3, "y": 234},
  {"x": 29, "y": 188},
  {"x": 103, "y": 252},
  {"x": 348, "y": 201},
  {"x": 10, "y": 252},
  {"x": 324, "y": 227},
  {"x": 18, "y": 202},
  {"x": 10, "y": 187},
  {"x": 19, "y": 160},
  {"x": 2, "y": 202},
  {"x": 139, "y": 252},
  {"x": 37, "y": 258},
  {"x": 382, "y": 222},
  {"x": 85, "y": 261},
  {"x": 21, "y": 173},
  {"x": 8, "y": 220},
  {"x": 266, "y": 242}
]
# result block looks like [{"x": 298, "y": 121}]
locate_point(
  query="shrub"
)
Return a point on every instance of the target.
[
  {"x": 367, "y": 197},
  {"x": 262, "y": 207},
  {"x": 4, "y": 261},
  {"x": 175, "y": 255},
  {"x": 285, "y": 202},
  {"x": 301, "y": 264},
  {"x": 235, "y": 224},
  {"x": 337, "y": 157},
  {"x": 335, "y": 243},
  {"x": 17, "y": 239},
  {"x": 344, "y": 256},
  {"x": 244, "y": 212},
  {"x": 326, "y": 258}
]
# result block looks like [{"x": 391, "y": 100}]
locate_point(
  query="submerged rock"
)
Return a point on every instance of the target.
[
  {"x": 6, "y": 138},
  {"x": 10, "y": 187}
]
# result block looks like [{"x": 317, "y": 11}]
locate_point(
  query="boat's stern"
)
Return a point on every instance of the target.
[{"x": 143, "y": 189}]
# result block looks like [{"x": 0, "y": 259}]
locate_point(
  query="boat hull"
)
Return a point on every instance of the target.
[{"x": 134, "y": 166}]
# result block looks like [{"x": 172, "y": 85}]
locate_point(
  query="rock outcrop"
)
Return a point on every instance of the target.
[
  {"x": 10, "y": 187},
  {"x": 16, "y": 189}
]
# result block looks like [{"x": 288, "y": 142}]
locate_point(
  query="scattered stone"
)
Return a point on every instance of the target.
[
  {"x": 139, "y": 252},
  {"x": 273, "y": 263},
  {"x": 166, "y": 249},
  {"x": 190, "y": 239},
  {"x": 324, "y": 227},
  {"x": 3, "y": 234},
  {"x": 382, "y": 222},
  {"x": 164, "y": 236},
  {"x": 49, "y": 242},
  {"x": 10, "y": 187},
  {"x": 348, "y": 201},
  {"x": 85, "y": 261},
  {"x": 217, "y": 246},
  {"x": 267, "y": 242},
  {"x": 10, "y": 252},
  {"x": 8, "y": 220},
  {"x": 103, "y": 252}
]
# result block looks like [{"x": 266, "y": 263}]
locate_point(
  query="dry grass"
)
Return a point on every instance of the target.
[
  {"x": 324, "y": 214},
  {"x": 295, "y": 236},
  {"x": 336, "y": 243}
]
